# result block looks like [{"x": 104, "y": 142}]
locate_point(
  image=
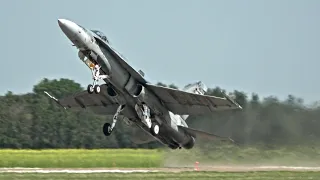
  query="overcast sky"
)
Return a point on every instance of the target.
[{"x": 269, "y": 47}]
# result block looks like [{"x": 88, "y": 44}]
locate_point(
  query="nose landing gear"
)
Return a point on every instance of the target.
[
  {"x": 96, "y": 76},
  {"x": 93, "y": 88}
]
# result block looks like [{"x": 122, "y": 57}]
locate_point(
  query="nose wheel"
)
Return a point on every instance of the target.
[
  {"x": 93, "y": 89},
  {"x": 96, "y": 76}
]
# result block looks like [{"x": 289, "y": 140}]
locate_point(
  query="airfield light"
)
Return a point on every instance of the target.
[{"x": 196, "y": 168}]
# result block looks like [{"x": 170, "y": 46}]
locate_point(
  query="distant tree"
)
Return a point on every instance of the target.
[
  {"x": 161, "y": 84},
  {"x": 33, "y": 121},
  {"x": 173, "y": 86}
]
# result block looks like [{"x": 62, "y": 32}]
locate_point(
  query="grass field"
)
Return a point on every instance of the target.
[
  {"x": 143, "y": 158},
  {"x": 80, "y": 158},
  {"x": 171, "y": 176}
]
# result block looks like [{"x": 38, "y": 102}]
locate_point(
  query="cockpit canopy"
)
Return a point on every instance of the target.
[{"x": 101, "y": 35}]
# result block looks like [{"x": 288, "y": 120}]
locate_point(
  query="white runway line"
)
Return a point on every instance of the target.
[{"x": 173, "y": 169}]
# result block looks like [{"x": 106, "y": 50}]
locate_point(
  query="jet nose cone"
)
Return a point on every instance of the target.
[
  {"x": 63, "y": 23},
  {"x": 69, "y": 28},
  {"x": 60, "y": 22}
]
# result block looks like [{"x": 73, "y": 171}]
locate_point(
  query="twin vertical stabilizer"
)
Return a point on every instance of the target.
[{"x": 197, "y": 88}]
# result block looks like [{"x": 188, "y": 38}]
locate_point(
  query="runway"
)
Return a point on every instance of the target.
[{"x": 146, "y": 170}]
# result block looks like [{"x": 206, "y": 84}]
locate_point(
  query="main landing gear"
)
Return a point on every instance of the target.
[
  {"x": 96, "y": 77},
  {"x": 144, "y": 114},
  {"x": 155, "y": 129},
  {"x": 107, "y": 128}
]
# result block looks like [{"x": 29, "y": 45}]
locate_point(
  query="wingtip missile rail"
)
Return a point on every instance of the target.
[
  {"x": 231, "y": 100},
  {"x": 53, "y": 98}
]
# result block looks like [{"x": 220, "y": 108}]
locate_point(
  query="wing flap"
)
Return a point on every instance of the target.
[
  {"x": 187, "y": 103},
  {"x": 142, "y": 137}
]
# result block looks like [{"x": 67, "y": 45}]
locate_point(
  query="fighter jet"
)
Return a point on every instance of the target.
[{"x": 160, "y": 113}]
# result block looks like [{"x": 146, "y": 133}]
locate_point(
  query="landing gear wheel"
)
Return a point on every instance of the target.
[
  {"x": 97, "y": 89},
  {"x": 90, "y": 89},
  {"x": 155, "y": 129},
  {"x": 107, "y": 129}
]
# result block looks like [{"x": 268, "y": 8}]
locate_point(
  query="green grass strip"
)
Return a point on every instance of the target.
[{"x": 80, "y": 158}]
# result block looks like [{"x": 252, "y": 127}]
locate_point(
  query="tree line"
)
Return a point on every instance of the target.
[{"x": 32, "y": 120}]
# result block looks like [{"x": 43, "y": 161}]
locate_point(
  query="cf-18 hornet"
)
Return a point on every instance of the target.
[{"x": 160, "y": 112}]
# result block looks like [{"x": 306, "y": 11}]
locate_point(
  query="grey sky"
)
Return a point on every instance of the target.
[{"x": 269, "y": 47}]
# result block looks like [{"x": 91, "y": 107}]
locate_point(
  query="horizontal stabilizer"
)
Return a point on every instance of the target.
[
  {"x": 142, "y": 140},
  {"x": 201, "y": 134}
]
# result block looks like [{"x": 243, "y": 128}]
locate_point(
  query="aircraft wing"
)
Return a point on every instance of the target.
[
  {"x": 186, "y": 103},
  {"x": 98, "y": 103}
]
